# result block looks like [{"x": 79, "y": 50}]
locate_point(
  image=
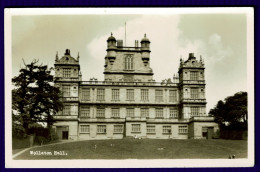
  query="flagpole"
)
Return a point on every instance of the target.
[{"x": 125, "y": 34}]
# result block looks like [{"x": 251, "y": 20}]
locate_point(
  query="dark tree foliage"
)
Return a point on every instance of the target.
[
  {"x": 34, "y": 98},
  {"x": 232, "y": 112}
]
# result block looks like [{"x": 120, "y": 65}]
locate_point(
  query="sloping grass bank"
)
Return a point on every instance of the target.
[{"x": 140, "y": 149}]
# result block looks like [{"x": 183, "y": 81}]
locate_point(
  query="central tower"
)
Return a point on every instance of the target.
[{"x": 128, "y": 64}]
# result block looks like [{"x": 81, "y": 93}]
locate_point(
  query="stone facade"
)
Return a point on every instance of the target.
[{"x": 129, "y": 103}]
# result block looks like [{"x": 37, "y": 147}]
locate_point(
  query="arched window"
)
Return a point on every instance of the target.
[{"x": 129, "y": 62}]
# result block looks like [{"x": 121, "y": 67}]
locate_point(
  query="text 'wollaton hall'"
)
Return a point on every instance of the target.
[{"x": 129, "y": 103}]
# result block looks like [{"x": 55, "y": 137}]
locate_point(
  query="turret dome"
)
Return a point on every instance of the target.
[
  {"x": 111, "y": 38},
  {"x": 145, "y": 39}
]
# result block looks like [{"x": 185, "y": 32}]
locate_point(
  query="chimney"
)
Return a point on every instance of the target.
[
  {"x": 119, "y": 43},
  {"x": 136, "y": 43},
  {"x": 67, "y": 52},
  {"x": 191, "y": 56}
]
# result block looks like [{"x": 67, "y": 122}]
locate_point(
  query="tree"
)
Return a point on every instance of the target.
[
  {"x": 232, "y": 112},
  {"x": 34, "y": 98}
]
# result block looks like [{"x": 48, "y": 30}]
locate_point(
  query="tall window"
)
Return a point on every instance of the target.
[
  {"x": 115, "y": 112},
  {"x": 194, "y": 111},
  {"x": 115, "y": 94},
  {"x": 84, "y": 129},
  {"x": 173, "y": 95},
  {"x": 129, "y": 62},
  {"x": 136, "y": 128},
  {"x": 101, "y": 113},
  {"x": 66, "y": 72},
  {"x": 145, "y": 112},
  {"x": 101, "y": 129},
  {"x": 167, "y": 129},
  {"x": 158, "y": 95},
  {"x": 183, "y": 129},
  {"x": 150, "y": 129},
  {"x": 193, "y": 75},
  {"x": 86, "y": 94},
  {"x": 66, "y": 110},
  {"x": 173, "y": 113},
  {"x": 85, "y": 111},
  {"x": 194, "y": 93},
  {"x": 118, "y": 128},
  {"x": 100, "y": 94},
  {"x": 130, "y": 112},
  {"x": 130, "y": 94},
  {"x": 159, "y": 112},
  {"x": 66, "y": 91},
  {"x": 144, "y": 95}
]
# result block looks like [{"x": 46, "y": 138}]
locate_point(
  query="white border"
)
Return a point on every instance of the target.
[{"x": 10, "y": 163}]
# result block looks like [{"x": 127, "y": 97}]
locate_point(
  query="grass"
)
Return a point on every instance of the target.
[
  {"x": 20, "y": 144},
  {"x": 143, "y": 149}
]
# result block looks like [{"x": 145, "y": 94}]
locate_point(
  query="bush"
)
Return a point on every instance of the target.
[
  {"x": 53, "y": 135},
  {"x": 233, "y": 134},
  {"x": 216, "y": 135},
  {"x": 39, "y": 131},
  {"x": 19, "y": 143},
  {"x": 18, "y": 132},
  {"x": 40, "y": 140}
]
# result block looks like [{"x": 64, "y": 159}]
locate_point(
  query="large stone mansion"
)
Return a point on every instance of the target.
[{"x": 129, "y": 103}]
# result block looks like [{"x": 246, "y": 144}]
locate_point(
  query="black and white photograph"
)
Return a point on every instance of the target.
[{"x": 129, "y": 87}]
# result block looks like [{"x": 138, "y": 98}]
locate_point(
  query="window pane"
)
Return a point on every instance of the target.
[
  {"x": 115, "y": 94},
  {"x": 129, "y": 62},
  {"x": 66, "y": 110},
  {"x": 183, "y": 129},
  {"x": 193, "y": 75},
  {"x": 145, "y": 112},
  {"x": 136, "y": 128},
  {"x": 150, "y": 128},
  {"x": 144, "y": 95},
  {"x": 173, "y": 95},
  {"x": 84, "y": 128},
  {"x": 100, "y": 94},
  {"x": 167, "y": 129},
  {"x": 100, "y": 113},
  {"x": 66, "y": 91},
  {"x": 130, "y": 112},
  {"x": 85, "y": 111},
  {"x": 173, "y": 113},
  {"x": 115, "y": 112},
  {"x": 159, "y": 95},
  {"x": 130, "y": 94},
  {"x": 66, "y": 72},
  {"x": 194, "y": 111},
  {"x": 118, "y": 128},
  {"x": 101, "y": 129},
  {"x": 85, "y": 94},
  {"x": 159, "y": 112},
  {"x": 194, "y": 93}
]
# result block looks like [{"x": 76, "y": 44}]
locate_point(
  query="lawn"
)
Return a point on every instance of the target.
[{"x": 142, "y": 149}]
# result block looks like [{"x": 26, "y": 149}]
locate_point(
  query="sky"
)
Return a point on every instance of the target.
[{"x": 221, "y": 40}]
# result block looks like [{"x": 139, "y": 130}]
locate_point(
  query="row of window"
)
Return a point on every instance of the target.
[
  {"x": 101, "y": 129},
  {"x": 130, "y": 112},
  {"x": 130, "y": 95},
  {"x": 135, "y": 128},
  {"x": 129, "y": 65},
  {"x": 194, "y": 75}
]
